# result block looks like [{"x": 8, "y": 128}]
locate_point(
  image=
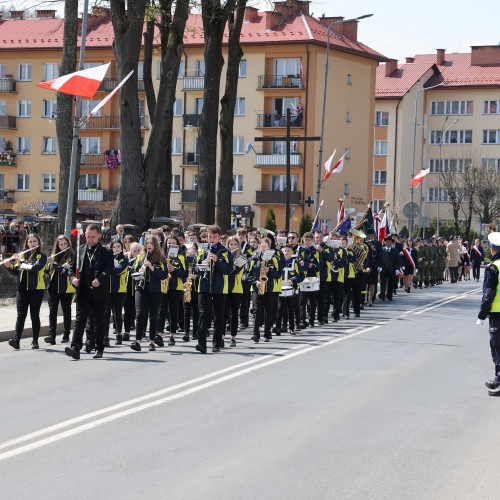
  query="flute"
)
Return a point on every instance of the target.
[
  {"x": 59, "y": 253},
  {"x": 19, "y": 254}
]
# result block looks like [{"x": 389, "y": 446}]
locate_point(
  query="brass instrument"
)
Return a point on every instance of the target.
[
  {"x": 359, "y": 248},
  {"x": 263, "y": 279},
  {"x": 188, "y": 285}
]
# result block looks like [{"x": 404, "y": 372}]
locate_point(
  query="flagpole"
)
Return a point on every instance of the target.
[
  {"x": 76, "y": 128},
  {"x": 317, "y": 215}
]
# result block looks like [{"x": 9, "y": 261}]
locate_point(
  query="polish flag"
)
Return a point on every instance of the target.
[
  {"x": 341, "y": 212},
  {"x": 336, "y": 169},
  {"x": 419, "y": 177},
  {"x": 110, "y": 95},
  {"x": 82, "y": 83},
  {"x": 385, "y": 225}
]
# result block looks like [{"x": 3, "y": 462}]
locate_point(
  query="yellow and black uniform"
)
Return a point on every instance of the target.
[
  {"x": 310, "y": 260},
  {"x": 118, "y": 279},
  {"x": 247, "y": 251},
  {"x": 234, "y": 298},
  {"x": 286, "y": 302},
  {"x": 30, "y": 288},
  {"x": 60, "y": 291},
  {"x": 349, "y": 276},
  {"x": 325, "y": 280},
  {"x": 338, "y": 272},
  {"x": 129, "y": 304},
  {"x": 191, "y": 307}
]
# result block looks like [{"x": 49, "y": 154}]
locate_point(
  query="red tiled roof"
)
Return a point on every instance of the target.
[
  {"x": 48, "y": 34},
  {"x": 400, "y": 80}
]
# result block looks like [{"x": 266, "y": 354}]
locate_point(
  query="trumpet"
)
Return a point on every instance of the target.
[{"x": 188, "y": 285}]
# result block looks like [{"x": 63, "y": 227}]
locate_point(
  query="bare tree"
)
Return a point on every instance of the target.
[
  {"x": 33, "y": 207},
  {"x": 486, "y": 201}
]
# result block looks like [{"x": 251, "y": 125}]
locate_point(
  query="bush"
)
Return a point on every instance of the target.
[
  {"x": 305, "y": 224},
  {"x": 270, "y": 220}
]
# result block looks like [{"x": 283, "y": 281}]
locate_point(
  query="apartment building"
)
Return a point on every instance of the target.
[
  {"x": 282, "y": 67},
  {"x": 442, "y": 107}
]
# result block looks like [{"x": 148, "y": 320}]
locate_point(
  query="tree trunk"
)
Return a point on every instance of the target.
[
  {"x": 214, "y": 21},
  {"x": 132, "y": 204},
  {"x": 226, "y": 121},
  {"x": 64, "y": 120}
]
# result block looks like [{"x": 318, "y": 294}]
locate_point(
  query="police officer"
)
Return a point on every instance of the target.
[{"x": 491, "y": 306}]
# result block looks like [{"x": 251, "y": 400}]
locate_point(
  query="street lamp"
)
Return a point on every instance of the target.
[
  {"x": 412, "y": 189},
  {"x": 441, "y": 140},
  {"x": 320, "y": 164}
]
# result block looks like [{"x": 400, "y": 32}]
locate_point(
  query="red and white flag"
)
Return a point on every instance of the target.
[
  {"x": 385, "y": 225},
  {"x": 110, "y": 95},
  {"x": 341, "y": 211},
  {"x": 82, "y": 83},
  {"x": 336, "y": 169},
  {"x": 419, "y": 177}
]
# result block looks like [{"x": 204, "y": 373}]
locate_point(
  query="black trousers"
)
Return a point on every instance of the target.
[
  {"x": 476, "y": 270},
  {"x": 146, "y": 304},
  {"x": 31, "y": 299},
  {"x": 233, "y": 304},
  {"x": 87, "y": 301},
  {"x": 206, "y": 303},
  {"x": 387, "y": 282},
  {"x": 337, "y": 296},
  {"x": 494, "y": 328},
  {"x": 129, "y": 316},
  {"x": 324, "y": 294},
  {"x": 264, "y": 311},
  {"x": 173, "y": 298},
  {"x": 54, "y": 298},
  {"x": 191, "y": 309},
  {"x": 310, "y": 298},
  {"x": 114, "y": 303},
  {"x": 286, "y": 313},
  {"x": 245, "y": 302},
  {"x": 453, "y": 274}
]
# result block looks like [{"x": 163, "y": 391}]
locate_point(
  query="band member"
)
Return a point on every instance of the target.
[
  {"x": 246, "y": 250},
  {"x": 390, "y": 269},
  {"x": 235, "y": 287},
  {"x": 294, "y": 240},
  {"x": 338, "y": 264},
  {"x": 360, "y": 251},
  {"x": 212, "y": 289},
  {"x": 29, "y": 267},
  {"x": 152, "y": 269},
  {"x": 118, "y": 279},
  {"x": 310, "y": 261},
  {"x": 325, "y": 286},
  {"x": 60, "y": 289},
  {"x": 94, "y": 264},
  {"x": 129, "y": 304},
  {"x": 191, "y": 306},
  {"x": 349, "y": 275}
]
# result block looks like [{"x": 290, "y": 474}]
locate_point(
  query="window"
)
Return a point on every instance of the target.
[
  {"x": 491, "y": 107},
  {"x": 348, "y": 117},
  {"x": 449, "y": 165},
  {"x": 24, "y": 73},
  {"x": 491, "y": 137},
  {"x": 3, "y": 71},
  {"x": 377, "y": 206},
  {"x": 178, "y": 107},
  {"x": 451, "y": 137},
  {"x": 180, "y": 74},
  {"x": 176, "y": 145},
  {"x": 281, "y": 104},
  {"x": 451, "y": 108},
  {"x": 87, "y": 106},
  {"x": 23, "y": 145},
  {"x": 194, "y": 182},
  {"x": 289, "y": 66},
  {"x": 381, "y": 118},
  {"x": 238, "y": 145},
  {"x": 199, "y": 67},
  {"x": 88, "y": 65},
  {"x": 198, "y": 105},
  {"x": 432, "y": 195},
  {"x": 239, "y": 110},
  {"x": 2, "y": 182},
  {"x": 48, "y": 145},
  {"x": 140, "y": 70},
  {"x": 23, "y": 182},
  {"x": 89, "y": 181},
  {"x": 379, "y": 177},
  {"x": 349, "y": 80},
  {"x": 176, "y": 183},
  {"x": 49, "y": 108},
  {"x": 91, "y": 145},
  {"x": 48, "y": 182},
  {"x": 142, "y": 116},
  {"x": 50, "y": 71},
  {"x": 237, "y": 183},
  {"x": 278, "y": 182},
  {"x": 490, "y": 163},
  {"x": 24, "y": 108},
  {"x": 243, "y": 68},
  {"x": 380, "y": 148},
  {"x": 3, "y": 107}
]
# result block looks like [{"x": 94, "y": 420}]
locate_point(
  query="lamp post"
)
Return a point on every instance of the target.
[
  {"x": 320, "y": 160},
  {"x": 441, "y": 140},
  {"x": 412, "y": 189}
]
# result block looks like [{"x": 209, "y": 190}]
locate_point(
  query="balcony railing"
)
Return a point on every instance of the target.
[
  {"x": 8, "y": 121},
  {"x": 108, "y": 84},
  {"x": 193, "y": 79},
  {"x": 7, "y": 85},
  {"x": 109, "y": 122},
  {"x": 273, "y": 120},
  {"x": 190, "y": 159},
  {"x": 97, "y": 195},
  {"x": 188, "y": 196},
  {"x": 7, "y": 159},
  {"x": 263, "y": 160},
  {"x": 92, "y": 160},
  {"x": 193, "y": 120},
  {"x": 273, "y": 197},
  {"x": 280, "y": 82}
]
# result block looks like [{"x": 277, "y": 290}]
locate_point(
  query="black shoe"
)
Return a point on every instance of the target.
[
  {"x": 89, "y": 347},
  {"x": 357, "y": 315},
  {"x": 106, "y": 342},
  {"x": 243, "y": 325},
  {"x": 65, "y": 338},
  {"x": 233, "y": 343},
  {"x": 186, "y": 338},
  {"x": 72, "y": 352},
  {"x": 50, "y": 340},
  {"x": 119, "y": 339},
  {"x": 97, "y": 355},
  {"x": 215, "y": 349},
  {"x": 152, "y": 347},
  {"x": 335, "y": 320},
  {"x": 171, "y": 341},
  {"x": 292, "y": 332},
  {"x": 126, "y": 337},
  {"x": 420, "y": 286},
  {"x": 275, "y": 330},
  {"x": 194, "y": 336},
  {"x": 303, "y": 326},
  {"x": 14, "y": 343},
  {"x": 494, "y": 392},
  {"x": 200, "y": 349},
  {"x": 34, "y": 344},
  {"x": 389, "y": 298},
  {"x": 255, "y": 338},
  {"x": 159, "y": 341},
  {"x": 266, "y": 339},
  {"x": 135, "y": 346},
  {"x": 491, "y": 384}
]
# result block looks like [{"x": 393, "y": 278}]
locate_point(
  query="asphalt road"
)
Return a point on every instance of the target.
[{"x": 388, "y": 406}]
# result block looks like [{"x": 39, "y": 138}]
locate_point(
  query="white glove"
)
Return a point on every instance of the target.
[
  {"x": 379, "y": 269},
  {"x": 479, "y": 322}
]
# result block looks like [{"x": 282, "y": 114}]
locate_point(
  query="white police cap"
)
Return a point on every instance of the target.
[{"x": 494, "y": 239}]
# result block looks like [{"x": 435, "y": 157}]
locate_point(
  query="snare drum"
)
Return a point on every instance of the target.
[
  {"x": 137, "y": 276},
  {"x": 286, "y": 291},
  {"x": 310, "y": 285}
]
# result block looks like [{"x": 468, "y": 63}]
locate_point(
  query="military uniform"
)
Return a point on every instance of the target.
[
  {"x": 423, "y": 264},
  {"x": 433, "y": 262}
]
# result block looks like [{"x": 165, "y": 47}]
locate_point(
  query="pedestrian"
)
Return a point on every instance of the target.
[{"x": 477, "y": 258}]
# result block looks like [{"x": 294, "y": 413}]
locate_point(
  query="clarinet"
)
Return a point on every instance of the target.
[
  {"x": 209, "y": 270},
  {"x": 142, "y": 281}
]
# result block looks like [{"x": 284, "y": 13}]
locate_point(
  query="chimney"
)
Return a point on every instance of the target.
[
  {"x": 410, "y": 60},
  {"x": 101, "y": 12},
  {"x": 326, "y": 20},
  {"x": 390, "y": 66},
  {"x": 17, "y": 14},
  {"x": 45, "y": 14},
  {"x": 272, "y": 20},
  {"x": 351, "y": 30},
  {"x": 440, "y": 57},
  {"x": 485, "y": 55},
  {"x": 251, "y": 14}
]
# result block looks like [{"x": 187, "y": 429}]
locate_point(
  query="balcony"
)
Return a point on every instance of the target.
[
  {"x": 280, "y": 82},
  {"x": 92, "y": 160},
  {"x": 190, "y": 159},
  {"x": 109, "y": 122},
  {"x": 277, "y": 197},
  {"x": 7, "y": 159},
  {"x": 193, "y": 80},
  {"x": 7, "y": 85},
  {"x": 8, "y": 121},
  {"x": 191, "y": 120},
  {"x": 109, "y": 84},
  {"x": 271, "y": 120},
  {"x": 277, "y": 160},
  {"x": 188, "y": 196},
  {"x": 97, "y": 195}
]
